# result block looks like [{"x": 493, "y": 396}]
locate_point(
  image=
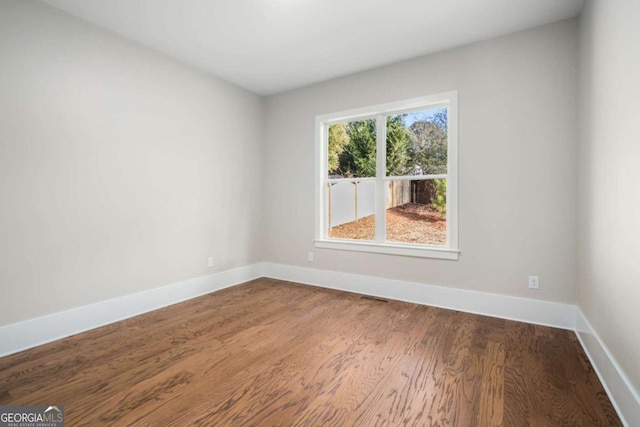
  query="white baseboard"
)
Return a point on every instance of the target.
[
  {"x": 624, "y": 397},
  {"x": 566, "y": 316},
  {"x": 33, "y": 332},
  {"x": 539, "y": 312}
]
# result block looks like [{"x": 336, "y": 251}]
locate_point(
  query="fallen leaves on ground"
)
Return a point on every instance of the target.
[{"x": 408, "y": 223}]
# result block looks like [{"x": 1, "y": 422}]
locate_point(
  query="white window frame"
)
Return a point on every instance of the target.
[{"x": 451, "y": 250}]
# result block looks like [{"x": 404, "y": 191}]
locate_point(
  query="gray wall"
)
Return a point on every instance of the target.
[
  {"x": 518, "y": 120},
  {"x": 609, "y": 178},
  {"x": 120, "y": 169}
]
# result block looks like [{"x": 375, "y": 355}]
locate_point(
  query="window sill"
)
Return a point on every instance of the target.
[{"x": 390, "y": 249}]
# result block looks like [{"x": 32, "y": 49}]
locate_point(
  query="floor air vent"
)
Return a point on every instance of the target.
[{"x": 373, "y": 298}]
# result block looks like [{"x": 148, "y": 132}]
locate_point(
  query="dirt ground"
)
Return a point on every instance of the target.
[{"x": 409, "y": 223}]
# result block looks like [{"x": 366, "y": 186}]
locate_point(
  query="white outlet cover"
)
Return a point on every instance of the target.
[{"x": 534, "y": 282}]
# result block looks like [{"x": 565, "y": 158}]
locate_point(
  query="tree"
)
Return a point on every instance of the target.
[
  {"x": 398, "y": 142},
  {"x": 428, "y": 156},
  {"x": 338, "y": 138},
  {"x": 428, "y": 148},
  {"x": 358, "y": 158},
  {"x": 440, "y": 199}
]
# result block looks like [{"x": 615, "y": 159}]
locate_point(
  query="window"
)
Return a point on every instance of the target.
[{"x": 387, "y": 178}]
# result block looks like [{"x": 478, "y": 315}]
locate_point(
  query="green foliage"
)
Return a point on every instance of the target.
[
  {"x": 428, "y": 148},
  {"x": 358, "y": 158},
  {"x": 419, "y": 149},
  {"x": 440, "y": 199},
  {"x": 398, "y": 141},
  {"x": 338, "y": 138}
]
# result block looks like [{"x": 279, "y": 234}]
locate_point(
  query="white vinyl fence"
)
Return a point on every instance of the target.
[{"x": 350, "y": 201}]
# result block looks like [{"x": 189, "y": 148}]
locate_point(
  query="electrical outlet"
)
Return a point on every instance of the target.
[
  {"x": 310, "y": 256},
  {"x": 210, "y": 261},
  {"x": 534, "y": 282}
]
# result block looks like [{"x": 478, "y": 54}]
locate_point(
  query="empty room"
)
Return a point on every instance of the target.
[{"x": 319, "y": 213}]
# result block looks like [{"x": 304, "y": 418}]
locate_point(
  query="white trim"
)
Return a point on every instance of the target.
[
  {"x": 341, "y": 180},
  {"x": 622, "y": 394},
  {"x": 322, "y": 140},
  {"x": 625, "y": 399},
  {"x": 538, "y": 312},
  {"x": 414, "y": 177},
  {"x": 389, "y": 248},
  {"x": 379, "y": 112},
  {"x": 34, "y": 332},
  {"x": 381, "y": 171},
  {"x": 414, "y": 104},
  {"x": 452, "y": 172}
]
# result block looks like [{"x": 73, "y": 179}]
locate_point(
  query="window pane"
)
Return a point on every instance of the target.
[
  {"x": 352, "y": 210},
  {"x": 417, "y": 143},
  {"x": 352, "y": 149},
  {"x": 416, "y": 211}
]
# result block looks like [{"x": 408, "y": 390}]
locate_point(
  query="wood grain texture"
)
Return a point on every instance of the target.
[{"x": 276, "y": 353}]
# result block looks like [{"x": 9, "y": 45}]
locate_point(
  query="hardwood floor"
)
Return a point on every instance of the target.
[{"x": 276, "y": 353}]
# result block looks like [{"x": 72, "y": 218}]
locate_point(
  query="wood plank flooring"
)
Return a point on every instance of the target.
[{"x": 276, "y": 353}]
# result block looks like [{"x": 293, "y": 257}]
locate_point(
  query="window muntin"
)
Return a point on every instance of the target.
[{"x": 390, "y": 178}]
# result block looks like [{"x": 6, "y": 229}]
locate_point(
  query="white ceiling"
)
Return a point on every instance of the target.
[{"x": 268, "y": 46}]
